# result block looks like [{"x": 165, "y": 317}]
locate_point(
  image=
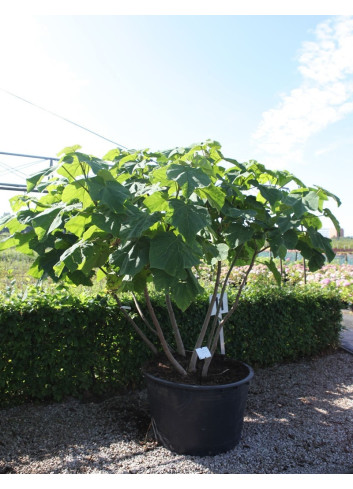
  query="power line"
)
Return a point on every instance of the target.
[
  {"x": 18, "y": 168},
  {"x": 10, "y": 170},
  {"x": 63, "y": 118}
]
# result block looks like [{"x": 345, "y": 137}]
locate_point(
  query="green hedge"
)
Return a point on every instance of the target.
[{"x": 54, "y": 346}]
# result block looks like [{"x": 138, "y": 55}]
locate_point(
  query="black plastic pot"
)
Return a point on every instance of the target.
[{"x": 195, "y": 419}]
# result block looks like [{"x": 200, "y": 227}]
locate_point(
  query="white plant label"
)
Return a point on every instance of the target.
[
  {"x": 224, "y": 305},
  {"x": 203, "y": 353},
  {"x": 221, "y": 342},
  {"x": 223, "y": 309}
]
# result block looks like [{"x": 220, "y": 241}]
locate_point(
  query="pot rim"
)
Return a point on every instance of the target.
[{"x": 180, "y": 385}]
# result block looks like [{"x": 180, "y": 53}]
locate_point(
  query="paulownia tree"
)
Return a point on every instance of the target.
[{"x": 142, "y": 219}]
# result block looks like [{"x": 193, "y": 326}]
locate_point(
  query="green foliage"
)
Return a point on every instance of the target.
[
  {"x": 163, "y": 211},
  {"x": 58, "y": 345},
  {"x": 148, "y": 220},
  {"x": 52, "y": 346}
]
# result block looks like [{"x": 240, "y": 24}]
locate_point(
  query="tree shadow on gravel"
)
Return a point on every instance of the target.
[
  {"x": 298, "y": 419},
  {"x": 72, "y": 437}
]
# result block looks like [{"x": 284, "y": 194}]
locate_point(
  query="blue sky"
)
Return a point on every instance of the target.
[{"x": 276, "y": 88}]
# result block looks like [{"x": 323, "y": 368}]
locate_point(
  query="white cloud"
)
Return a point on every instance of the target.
[{"x": 325, "y": 95}]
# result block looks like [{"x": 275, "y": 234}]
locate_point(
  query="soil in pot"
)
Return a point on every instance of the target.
[{"x": 222, "y": 370}]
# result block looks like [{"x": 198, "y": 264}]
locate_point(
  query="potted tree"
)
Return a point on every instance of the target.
[{"x": 149, "y": 220}]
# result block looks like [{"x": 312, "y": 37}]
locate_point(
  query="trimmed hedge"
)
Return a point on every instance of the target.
[{"x": 54, "y": 346}]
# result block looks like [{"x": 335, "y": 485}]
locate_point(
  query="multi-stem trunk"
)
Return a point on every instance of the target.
[
  {"x": 227, "y": 317},
  {"x": 192, "y": 364},
  {"x": 205, "y": 326}
]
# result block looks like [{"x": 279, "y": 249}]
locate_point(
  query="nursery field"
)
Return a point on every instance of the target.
[{"x": 343, "y": 244}]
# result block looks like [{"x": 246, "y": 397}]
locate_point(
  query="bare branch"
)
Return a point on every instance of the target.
[
  {"x": 142, "y": 316},
  {"x": 176, "y": 331},
  {"x": 225, "y": 283},
  {"x": 164, "y": 344},
  {"x": 134, "y": 325}
]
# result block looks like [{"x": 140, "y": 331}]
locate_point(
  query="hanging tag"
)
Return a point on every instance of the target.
[
  {"x": 224, "y": 305},
  {"x": 221, "y": 342},
  {"x": 203, "y": 353}
]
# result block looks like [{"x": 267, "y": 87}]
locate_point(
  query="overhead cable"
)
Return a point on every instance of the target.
[{"x": 63, "y": 118}]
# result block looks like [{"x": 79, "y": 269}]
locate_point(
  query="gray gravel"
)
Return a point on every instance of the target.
[{"x": 299, "y": 420}]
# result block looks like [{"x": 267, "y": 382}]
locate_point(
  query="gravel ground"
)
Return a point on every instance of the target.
[{"x": 299, "y": 420}]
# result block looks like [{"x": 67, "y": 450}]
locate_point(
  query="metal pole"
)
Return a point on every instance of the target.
[{"x": 29, "y": 156}]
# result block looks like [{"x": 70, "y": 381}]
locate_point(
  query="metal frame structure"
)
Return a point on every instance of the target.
[{"x": 21, "y": 187}]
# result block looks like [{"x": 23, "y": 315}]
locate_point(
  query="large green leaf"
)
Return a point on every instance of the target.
[
  {"x": 238, "y": 234},
  {"x": 329, "y": 194},
  {"x": 76, "y": 164},
  {"x": 223, "y": 250},
  {"x": 188, "y": 218},
  {"x": 316, "y": 261},
  {"x": 9, "y": 242},
  {"x": 295, "y": 204},
  {"x": 158, "y": 201},
  {"x": 12, "y": 224},
  {"x": 69, "y": 149},
  {"x": 109, "y": 222},
  {"x": 184, "y": 292},
  {"x": 73, "y": 257},
  {"x": 136, "y": 283},
  {"x": 273, "y": 195},
  {"x": 43, "y": 221},
  {"x": 72, "y": 169},
  {"x": 164, "y": 282},
  {"x": 168, "y": 252},
  {"x": 110, "y": 193},
  {"x": 79, "y": 278},
  {"x": 132, "y": 258},
  {"x": 188, "y": 178},
  {"x": 77, "y": 191},
  {"x": 77, "y": 224},
  {"x": 311, "y": 221},
  {"x": 214, "y": 195},
  {"x": 26, "y": 242},
  {"x": 112, "y": 155},
  {"x": 328, "y": 213},
  {"x": 321, "y": 243},
  {"x": 239, "y": 213},
  {"x": 138, "y": 224},
  {"x": 43, "y": 266},
  {"x": 311, "y": 201},
  {"x": 272, "y": 267},
  {"x": 33, "y": 180},
  {"x": 183, "y": 289},
  {"x": 286, "y": 223},
  {"x": 95, "y": 255},
  {"x": 305, "y": 249},
  {"x": 290, "y": 239}
]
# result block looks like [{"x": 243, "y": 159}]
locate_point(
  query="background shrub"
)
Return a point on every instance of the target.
[{"x": 54, "y": 345}]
